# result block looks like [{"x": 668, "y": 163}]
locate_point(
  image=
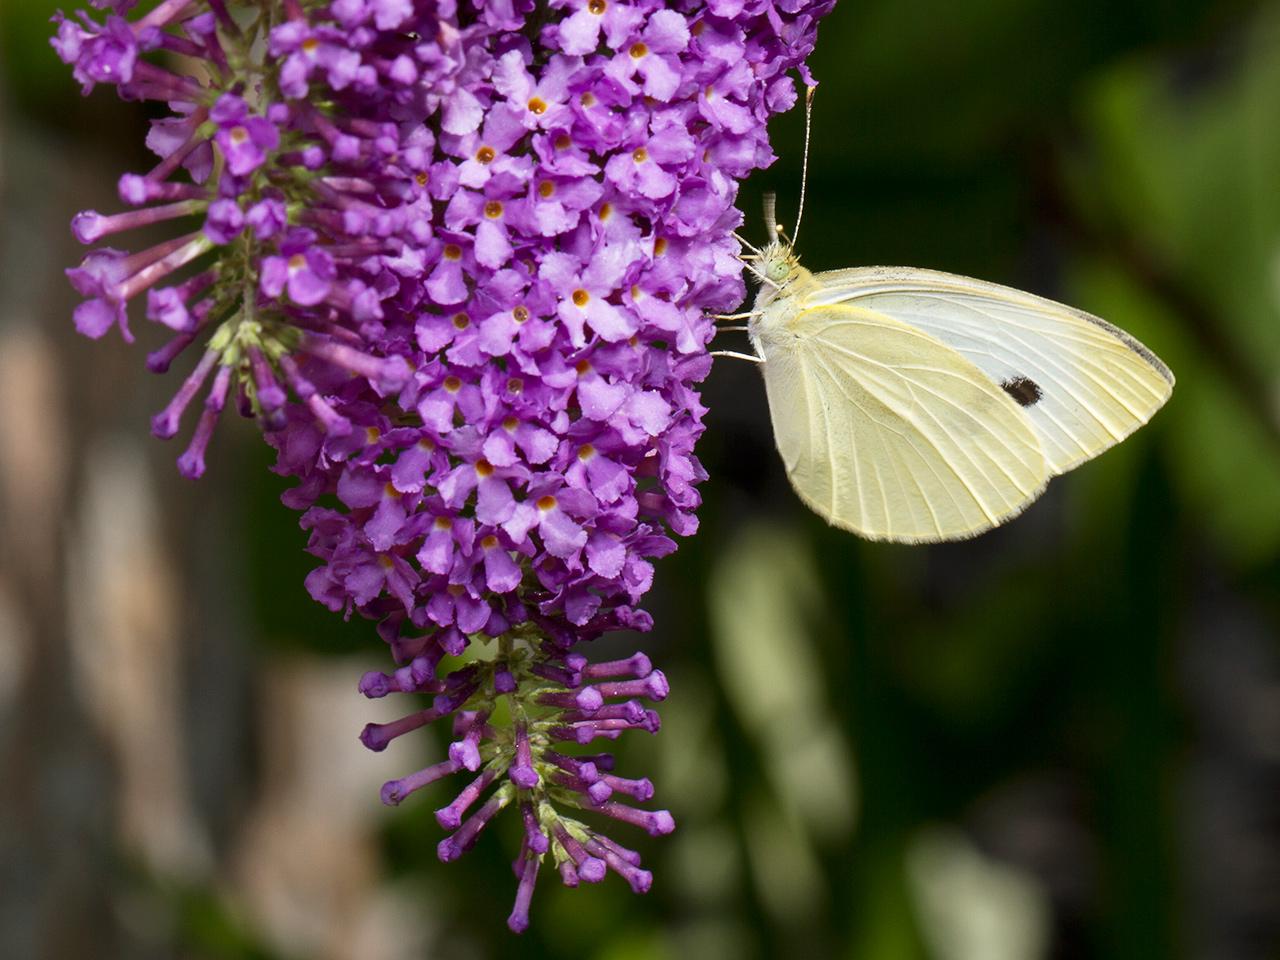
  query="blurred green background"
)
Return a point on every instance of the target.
[{"x": 1059, "y": 740}]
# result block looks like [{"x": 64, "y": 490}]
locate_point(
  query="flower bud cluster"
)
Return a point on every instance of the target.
[{"x": 518, "y": 721}]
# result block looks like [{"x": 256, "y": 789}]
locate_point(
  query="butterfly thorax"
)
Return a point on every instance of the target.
[{"x": 784, "y": 285}]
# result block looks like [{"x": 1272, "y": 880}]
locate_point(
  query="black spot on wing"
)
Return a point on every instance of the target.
[{"x": 1022, "y": 389}]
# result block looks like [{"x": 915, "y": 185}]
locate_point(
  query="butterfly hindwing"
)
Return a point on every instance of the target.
[{"x": 889, "y": 432}]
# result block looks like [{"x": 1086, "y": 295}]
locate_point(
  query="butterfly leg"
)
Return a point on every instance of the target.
[
  {"x": 737, "y": 356},
  {"x": 735, "y": 316},
  {"x": 749, "y": 263},
  {"x": 746, "y": 243},
  {"x": 764, "y": 280}
]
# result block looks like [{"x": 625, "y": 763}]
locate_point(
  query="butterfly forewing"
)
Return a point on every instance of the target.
[
  {"x": 888, "y": 432},
  {"x": 1082, "y": 384}
]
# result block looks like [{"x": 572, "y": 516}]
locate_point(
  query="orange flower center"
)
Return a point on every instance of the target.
[
  {"x": 537, "y": 105},
  {"x": 580, "y": 297},
  {"x": 546, "y": 503},
  {"x": 493, "y": 209},
  {"x": 452, "y": 251},
  {"x": 452, "y": 384}
]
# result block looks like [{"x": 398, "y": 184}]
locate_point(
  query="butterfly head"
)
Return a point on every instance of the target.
[{"x": 777, "y": 264}]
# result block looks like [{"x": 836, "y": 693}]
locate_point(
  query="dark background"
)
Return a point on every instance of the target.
[{"x": 1059, "y": 740}]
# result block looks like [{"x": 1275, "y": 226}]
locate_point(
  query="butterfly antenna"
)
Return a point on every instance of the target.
[{"x": 804, "y": 164}]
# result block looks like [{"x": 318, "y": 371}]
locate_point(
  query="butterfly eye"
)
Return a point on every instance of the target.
[{"x": 778, "y": 271}]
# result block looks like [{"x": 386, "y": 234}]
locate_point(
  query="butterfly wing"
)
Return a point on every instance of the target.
[
  {"x": 1084, "y": 384},
  {"x": 890, "y": 433}
]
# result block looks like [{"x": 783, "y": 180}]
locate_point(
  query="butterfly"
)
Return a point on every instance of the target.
[{"x": 916, "y": 406}]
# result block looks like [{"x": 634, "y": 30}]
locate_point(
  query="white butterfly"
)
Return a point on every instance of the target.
[{"x": 915, "y": 406}]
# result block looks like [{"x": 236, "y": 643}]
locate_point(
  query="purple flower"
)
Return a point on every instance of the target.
[
  {"x": 585, "y": 294},
  {"x": 267, "y": 217},
  {"x": 225, "y": 221},
  {"x": 459, "y": 264},
  {"x": 304, "y": 268},
  {"x": 245, "y": 141},
  {"x": 579, "y": 33},
  {"x": 107, "y": 55}
]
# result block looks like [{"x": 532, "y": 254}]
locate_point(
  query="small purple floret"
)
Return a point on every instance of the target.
[{"x": 592, "y": 870}]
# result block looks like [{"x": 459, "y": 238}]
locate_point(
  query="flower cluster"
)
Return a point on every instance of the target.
[{"x": 457, "y": 260}]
